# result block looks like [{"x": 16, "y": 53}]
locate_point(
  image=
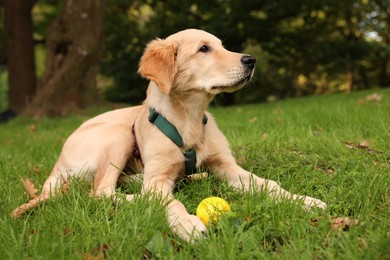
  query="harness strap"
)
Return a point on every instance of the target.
[
  {"x": 165, "y": 126},
  {"x": 172, "y": 133}
]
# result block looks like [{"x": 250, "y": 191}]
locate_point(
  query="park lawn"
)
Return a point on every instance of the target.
[{"x": 334, "y": 147}]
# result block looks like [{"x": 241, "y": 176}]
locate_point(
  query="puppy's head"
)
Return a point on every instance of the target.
[{"x": 194, "y": 60}]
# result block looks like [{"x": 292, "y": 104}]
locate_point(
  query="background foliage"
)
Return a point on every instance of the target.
[{"x": 303, "y": 47}]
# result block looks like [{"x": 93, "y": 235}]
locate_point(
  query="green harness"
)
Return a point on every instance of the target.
[{"x": 172, "y": 133}]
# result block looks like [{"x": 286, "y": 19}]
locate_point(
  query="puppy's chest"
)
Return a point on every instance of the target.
[
  {"x": 201, "y": 153},
  {"x": 198, "y": 145}
]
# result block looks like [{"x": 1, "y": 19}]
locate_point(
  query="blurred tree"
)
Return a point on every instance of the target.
[
  {"x": 3, "y": 53},
  {"x": 301, "y": 46},
  {"x": 74, "y": 42},
  {"x": 310, "y": 46},
  {"x": 3, "y": 67},
  {"x": 124, "y": 43},
  {"x": 20, "y": 54}
]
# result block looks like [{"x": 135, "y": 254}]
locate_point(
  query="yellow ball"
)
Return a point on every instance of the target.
[{"x": 210, "y": 208}]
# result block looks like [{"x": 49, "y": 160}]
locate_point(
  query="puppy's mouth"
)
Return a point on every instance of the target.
[{"x": 235, "y": 85}]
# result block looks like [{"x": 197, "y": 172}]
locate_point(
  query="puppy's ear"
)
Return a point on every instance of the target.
[{"x": 158, "y": 63}]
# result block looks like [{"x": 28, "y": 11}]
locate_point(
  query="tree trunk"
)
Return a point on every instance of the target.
[
  {"x": 20, "y": 53},
  {"x": 74, "y": 43}
]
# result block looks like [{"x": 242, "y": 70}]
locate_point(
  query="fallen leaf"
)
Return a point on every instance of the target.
[
  {"x": 32, "y": 127},
  {"x": 264, "y": 136},
  {"x": 319, "y": 128},
  {"x": 65, "y": 187},
  {"x": 241, "y": 160},
  {"x": 67, "y": 230},
  {"x": 35, "y": 169},
  {"x": 375, "y": 97},
  {"x": 97, "y": 253},
  {"x": 253, "y": 119},
  {"x": 248, "y": 219},
  {"x": 30, "y": 188},
  {"x": 362, "y": 243},
  {"x": 362, "y": 101},
  {"x": 324, "y": 168},
  {"x": 89, "y": 256},
  {"x": 278, "y": 120},
  {"x": 343, "y": 223},
  {"x": 363, "y": 144},
  {"x": 316, "y": 221}
]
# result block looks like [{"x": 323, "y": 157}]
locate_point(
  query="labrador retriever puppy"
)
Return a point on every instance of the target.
[{"x": 169, "y": 135}]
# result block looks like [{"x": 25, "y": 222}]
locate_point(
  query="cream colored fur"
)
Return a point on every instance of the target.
[{"x": 184, "y": 78}]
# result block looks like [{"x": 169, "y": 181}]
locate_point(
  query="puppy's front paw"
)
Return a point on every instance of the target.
[
  {"x": 189, "y": 227},
  {"x": 310, "y": 202}
]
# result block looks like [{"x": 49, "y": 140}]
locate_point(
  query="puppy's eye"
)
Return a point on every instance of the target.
[{"x": 204, "y": 48}]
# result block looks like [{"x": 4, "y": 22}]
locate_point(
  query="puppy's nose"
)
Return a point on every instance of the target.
[{"x": 248, "y": 61}]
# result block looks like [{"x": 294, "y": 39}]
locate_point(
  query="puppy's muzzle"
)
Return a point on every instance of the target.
[{"x": 248, "y": 61}]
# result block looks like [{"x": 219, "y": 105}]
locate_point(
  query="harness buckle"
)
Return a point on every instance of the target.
[{"x": 190, "y": 156}]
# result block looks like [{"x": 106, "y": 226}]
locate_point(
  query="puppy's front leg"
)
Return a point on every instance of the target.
[
  {"x": 188, "y": 227},
  {"x": 222, "y": 163},
  {"x": 185, "y": 225},
  {"x": 244, "y": 180}
]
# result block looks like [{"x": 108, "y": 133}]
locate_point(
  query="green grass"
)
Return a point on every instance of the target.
[{"x": 300, "y": 143}]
